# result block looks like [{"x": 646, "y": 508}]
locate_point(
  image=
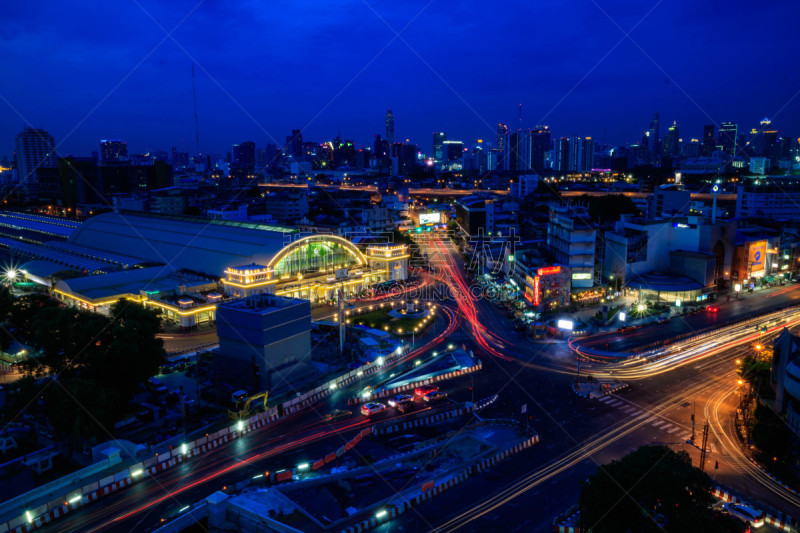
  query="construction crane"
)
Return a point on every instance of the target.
[{"x": 243, "y": 408}]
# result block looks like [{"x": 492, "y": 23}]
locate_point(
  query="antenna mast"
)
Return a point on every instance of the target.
[{"x": 196, "y": 125}]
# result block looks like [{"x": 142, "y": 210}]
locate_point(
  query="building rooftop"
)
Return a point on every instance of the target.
[
  {"x": 262, "y": 303},
  {"x": 246, "y": 268},
  {"x": 183, "y": 242}
]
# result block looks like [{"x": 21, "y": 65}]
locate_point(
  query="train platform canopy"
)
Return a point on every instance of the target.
[{"x": 108, "y": 288}]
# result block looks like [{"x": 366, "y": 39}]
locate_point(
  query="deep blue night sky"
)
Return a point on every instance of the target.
[{"x": 89, "y": 70}]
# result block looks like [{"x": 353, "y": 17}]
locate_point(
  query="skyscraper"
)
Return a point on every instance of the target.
[
  {"x": 244, "y": 158},
  {"x": 654, "y": 137},
  {"x": 502, "y": 129},
  {"x": 390, "y": 126},
  {"x": 671, "y": 145},
  {"x": 561, "y": 154},
  {"x": 113, "y": 151},
  {"x": 294, "y": 145},
  {"x": 438, "y": 140},
  {"x": 514, "y": 151},
  {"x": 539, "y": 145},
  {"x": 452, "y": 150},
  {"x": 35, "y": 149},
  {"x": 709, "y": 144},
  {"x": 727, "y": 137},
  {"x": 585, "y": 157}
]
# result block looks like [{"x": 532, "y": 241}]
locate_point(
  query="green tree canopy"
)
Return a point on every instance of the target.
[{"x": 651, "y": 489}]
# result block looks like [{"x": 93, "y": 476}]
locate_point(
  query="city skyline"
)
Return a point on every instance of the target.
[{"x": 143, "y": 92}]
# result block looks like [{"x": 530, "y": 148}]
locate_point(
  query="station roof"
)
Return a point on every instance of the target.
[
  {"x": 118, "y": 284},
  {"x": 193, "y": 243},
  {"x": 663, "y": 282}
]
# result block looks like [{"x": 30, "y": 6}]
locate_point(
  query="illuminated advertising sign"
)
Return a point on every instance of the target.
[
  {"x": 430, "y": 218},
  {"x": 581, "y": 275},
  {"x": 536, "y": 290},
  {"x": 757, "y": 258},
  {"x": 565, "y": 324},
  {"x": 548, "y": 270}
]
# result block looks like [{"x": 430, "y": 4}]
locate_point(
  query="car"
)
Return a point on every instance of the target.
[
  {"x": 400, "y": 398},
  {"x": 712, "y": 308},
  {"x": 425, "y": 389},
  {"x": 406, "y": 407},
  {"x": 434, "y": 396},
  {"x": 337, "y": 414},
  {"x": 372, "y": 408},
  {"x": 155, "y": 385},
  {"x": 747, "y": 513}
]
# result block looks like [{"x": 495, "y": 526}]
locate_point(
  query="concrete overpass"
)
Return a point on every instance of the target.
[{"x": 466, "y": 192}]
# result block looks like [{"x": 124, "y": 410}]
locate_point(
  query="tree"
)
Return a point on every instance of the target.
[
  {"x": 651, "y": 489},
  {"x": 23, "y": 311},
  {"x": 757, "y": 370},
  {"x": 67, "y": 338},
  {"x": 774, "y": 441},
  {"x": 132, "y": 351},
  {"x": 608, "y": 208},
  {"x": 82, "y": 409}
]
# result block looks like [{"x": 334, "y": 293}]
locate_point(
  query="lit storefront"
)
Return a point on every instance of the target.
[{"x": 549, "y": 287}]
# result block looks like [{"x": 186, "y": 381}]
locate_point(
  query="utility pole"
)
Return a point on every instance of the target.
[
  {"x": 341, "y": 316},
  {"x": 693, "y": 412},
  {"x": 703, "y": 449}
]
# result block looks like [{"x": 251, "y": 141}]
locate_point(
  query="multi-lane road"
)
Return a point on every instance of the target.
[{"x": 525, "y": 492}]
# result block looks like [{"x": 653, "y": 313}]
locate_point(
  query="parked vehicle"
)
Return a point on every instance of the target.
[{"x": 155, "y": 385}]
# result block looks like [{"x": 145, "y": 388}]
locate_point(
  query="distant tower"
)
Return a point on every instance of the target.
[
  {"x": 709, "y": 143},
  {"x": 390, "y": 126},
  {"x": 438, "y": 142},
  {"x": 655, "y": 126},
  {"x": 502, "y": 129},
  {"x": 113, "y": 150},
  {"x": 728, "y": 132}
]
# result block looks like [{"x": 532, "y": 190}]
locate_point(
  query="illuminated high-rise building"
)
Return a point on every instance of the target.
[
  {"x": 502, "y": 130},
  {"x": 113, "y": 150},
  {"x": 709, "y": 143},
  {"x": 671, "y": 146},
  {"x": 539, "y": 145},
  {"x": 438, "y": 140},
  {"x": 294, "y": 145},
  {"x": 727, "y": 137},
  {"x": 654, "y": 132},
  {"x": 561, "y": 154},
  {"x": 35, "y": 149},
  {"x": 390, "y": 126}
]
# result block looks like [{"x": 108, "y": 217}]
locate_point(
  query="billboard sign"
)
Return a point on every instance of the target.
[
  {"x": 757, "y": 258},
  {"x": 430, "y": 218},
  {"x": 546, "y": 271}
]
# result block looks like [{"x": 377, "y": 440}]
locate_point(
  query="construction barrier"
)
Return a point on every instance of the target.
[
  {"x": 784, "y": 522},
  {"x": 382, "y": 393},
  {"x": 276, "y": 477},
  {"x": 427, "y": 491},
  {"x": 33, "y": 518},
  {"x": 393, "y": 427}
]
